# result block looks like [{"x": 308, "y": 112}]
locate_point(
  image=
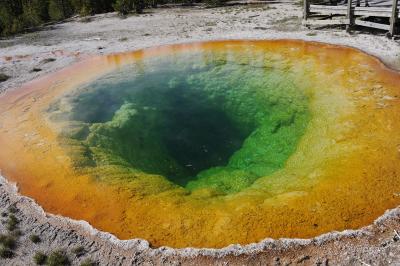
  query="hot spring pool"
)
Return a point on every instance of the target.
[{"x": 210, "y": 144}]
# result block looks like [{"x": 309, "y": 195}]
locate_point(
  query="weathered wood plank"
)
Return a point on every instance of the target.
[
  {"x": 393, "y": 18},
  {"x": 381, "y": 14},
  {"x": 373, "y": 9},
  {"x": 325, "y": 11},
  {"x": 384, "y": 12},
  {"x": 359, "y": 8},
  {"x": 241, "y": 2},
  {"x": 342, "y": 21},
  {"x": 321, "y": 7},
  {"x": 371, "y": 24},
  {"x": 306, "y": 9},
  {"x": 349, "y": 15}
]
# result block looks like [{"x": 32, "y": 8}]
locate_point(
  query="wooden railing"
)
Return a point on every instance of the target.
[{"x": 354, "y": 15}]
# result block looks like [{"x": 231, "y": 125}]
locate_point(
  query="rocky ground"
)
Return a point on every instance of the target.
[{"x": 32, "y": 55}]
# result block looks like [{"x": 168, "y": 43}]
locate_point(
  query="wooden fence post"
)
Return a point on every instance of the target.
[
  {"x": 306, "y": 9},
  {"x": 350, "y": 14},
  {"x": 393, "y": 18}
]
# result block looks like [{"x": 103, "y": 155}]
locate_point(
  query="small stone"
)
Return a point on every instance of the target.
[
  {"x": 3, "y": 77},
  {"x": 47, "y": 60}
]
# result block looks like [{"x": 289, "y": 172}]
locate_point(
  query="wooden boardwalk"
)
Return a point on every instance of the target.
[{"x": 354, "y": 12}]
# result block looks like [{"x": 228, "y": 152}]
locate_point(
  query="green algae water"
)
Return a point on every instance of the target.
[{"x": 196, "y": 120}]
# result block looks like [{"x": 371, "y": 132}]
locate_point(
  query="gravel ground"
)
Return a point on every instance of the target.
[{"x": 36, "y": 54}]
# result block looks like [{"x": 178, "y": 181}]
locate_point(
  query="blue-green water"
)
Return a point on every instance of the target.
[{"x": 198, "y": 120}]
